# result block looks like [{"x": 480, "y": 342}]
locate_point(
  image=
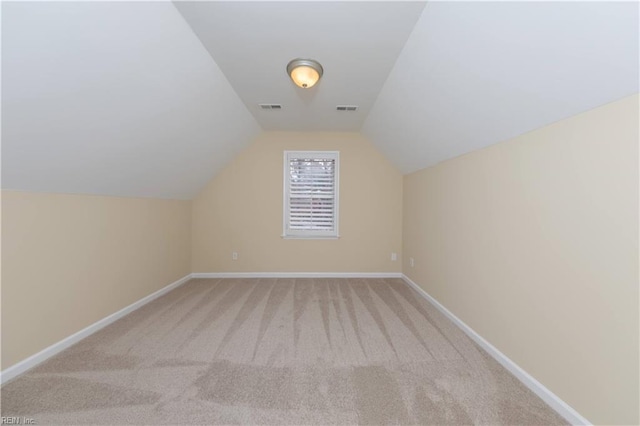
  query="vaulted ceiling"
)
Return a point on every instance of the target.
[
  {"x": 152, "y": 98},
  {"x": 113, "y": 98},
  {"x": 357, "y": 44}
]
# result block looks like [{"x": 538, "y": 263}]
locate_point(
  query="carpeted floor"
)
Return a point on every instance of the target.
[{"x": 277, "y": 351}]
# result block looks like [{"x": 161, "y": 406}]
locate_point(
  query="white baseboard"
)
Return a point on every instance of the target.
[
  {"x": 296, "y": 275},
  {"x": 561, "y": 407},
  {"x": 52, "y": 350}
]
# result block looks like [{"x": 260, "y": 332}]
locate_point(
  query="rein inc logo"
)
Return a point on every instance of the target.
[{"x": 17, "y": 421}]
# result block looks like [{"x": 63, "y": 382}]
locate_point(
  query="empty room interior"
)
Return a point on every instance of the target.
[{"x": 312, "y": 213}]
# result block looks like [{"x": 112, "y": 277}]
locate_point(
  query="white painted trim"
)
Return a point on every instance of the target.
[
  {"x": 63, "y": 344},
  {"x": 308, "y": 234},
  {"x": 296, "y": 275},
  {"x": 561, "y": 407}
]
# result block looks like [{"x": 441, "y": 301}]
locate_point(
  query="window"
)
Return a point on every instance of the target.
[{"x": 311, "y": 194}]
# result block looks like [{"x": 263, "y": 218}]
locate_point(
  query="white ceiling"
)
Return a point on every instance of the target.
[
  {"x": 476, "y": 73},
  {"x": 123, "y": 98},
  {"x": 115, "y": 98},
  {"x": 357, "y": 44}
]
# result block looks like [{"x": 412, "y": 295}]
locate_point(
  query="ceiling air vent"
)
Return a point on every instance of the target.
[
  {"x": 270, "y": 106},
  {"x": 347, "y": 107}
]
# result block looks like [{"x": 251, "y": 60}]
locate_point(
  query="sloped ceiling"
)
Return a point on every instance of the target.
[
  {"x": 357, "y": 43},
  {"x": 476, "y": 73},
  {"x": 131, "y": 98},
  {"x": 113, "y": 98}
]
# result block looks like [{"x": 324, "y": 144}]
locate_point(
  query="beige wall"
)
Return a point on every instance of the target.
[
  {"x": 533, "y": 243},
  {"x": 71, "y": 260},
  {"x": 241, "y": 210}
]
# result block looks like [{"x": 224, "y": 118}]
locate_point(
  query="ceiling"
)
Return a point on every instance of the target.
[
  {"x": 476, "y": 73},
  {"x": 357, "y": 44},
  {"x": 152, "y": 99},
  {"x": 113, "y": 98}
]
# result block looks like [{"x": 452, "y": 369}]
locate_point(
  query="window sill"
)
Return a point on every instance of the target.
[{"x": 310, "y": 237}]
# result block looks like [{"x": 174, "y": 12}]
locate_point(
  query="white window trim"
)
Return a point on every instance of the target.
[{"x": 306, "y": 234}]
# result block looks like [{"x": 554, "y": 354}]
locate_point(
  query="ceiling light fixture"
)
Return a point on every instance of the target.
[{"x": 305, "y": 73}]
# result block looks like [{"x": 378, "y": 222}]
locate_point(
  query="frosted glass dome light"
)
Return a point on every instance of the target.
[{"x": 305, "y": 73}]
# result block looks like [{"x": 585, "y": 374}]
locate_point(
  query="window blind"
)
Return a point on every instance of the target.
[{"x": 311, "y": 194}]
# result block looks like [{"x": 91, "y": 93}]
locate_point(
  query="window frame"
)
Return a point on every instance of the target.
[{"x": 310, "y": 234}]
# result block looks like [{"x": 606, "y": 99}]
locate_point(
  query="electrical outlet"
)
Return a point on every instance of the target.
[
  {"x": 411, "y": 262},
  {"x": 394, "y": 257},
  {"x": 234, "y": 255}
]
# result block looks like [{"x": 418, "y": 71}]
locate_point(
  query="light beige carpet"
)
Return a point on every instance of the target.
[{"x": 277, "y": 351}]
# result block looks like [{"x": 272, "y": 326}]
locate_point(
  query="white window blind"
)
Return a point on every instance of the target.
[{"x": 311, "y": 194}]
